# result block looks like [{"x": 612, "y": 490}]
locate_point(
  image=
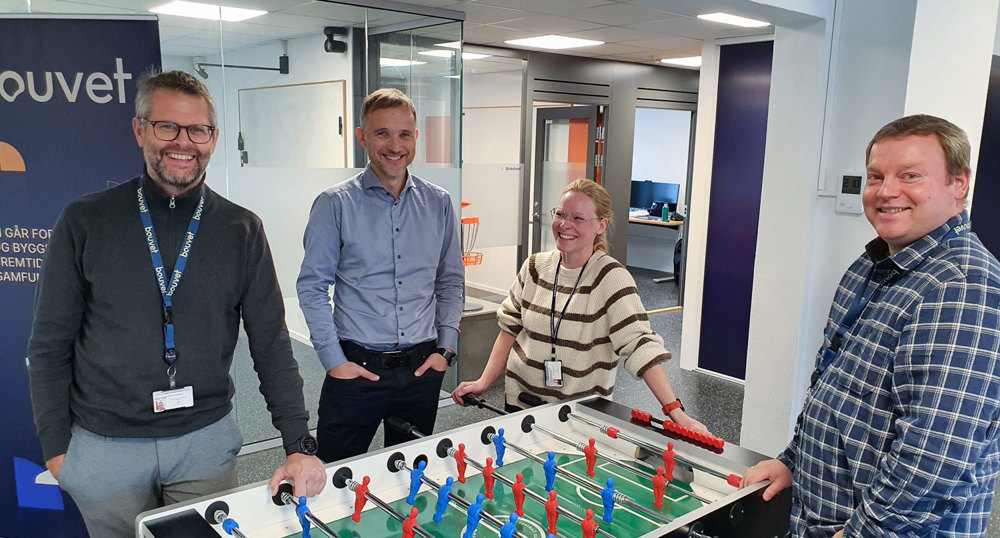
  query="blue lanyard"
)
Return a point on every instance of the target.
[
  {"x": 167, "y": 289},
  {"x": 861, "y": 303}
]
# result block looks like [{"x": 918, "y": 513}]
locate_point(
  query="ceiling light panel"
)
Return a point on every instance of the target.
[
  {"x": 734, "y": 20},
  {"x": 554, "y": 42},
  {"x": 213, "y": 12}
]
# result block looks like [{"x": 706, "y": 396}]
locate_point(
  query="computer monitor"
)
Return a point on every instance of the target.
[{"x": 646, "y": 192}]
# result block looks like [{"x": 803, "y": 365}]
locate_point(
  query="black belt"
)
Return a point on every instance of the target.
[{"x": 399, "y": 358}]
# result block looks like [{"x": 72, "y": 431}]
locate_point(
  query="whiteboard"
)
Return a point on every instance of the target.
[{"x": 294, "y": 126}]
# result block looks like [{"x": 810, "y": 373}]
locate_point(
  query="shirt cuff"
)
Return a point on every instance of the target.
[
  {"x": 291, "y": 432},
  {"x": 448, "y": 338},
  {"x": 331, "y": 356}
]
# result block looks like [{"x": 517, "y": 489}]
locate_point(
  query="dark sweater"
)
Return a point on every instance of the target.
[{"x": 96, "y": 348}]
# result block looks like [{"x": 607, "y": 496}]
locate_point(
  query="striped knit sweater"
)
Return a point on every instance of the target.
[{"x": 605, "y": 319}]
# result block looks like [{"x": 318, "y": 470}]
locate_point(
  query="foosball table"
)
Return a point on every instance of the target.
[{"x": 583, "y": 468}]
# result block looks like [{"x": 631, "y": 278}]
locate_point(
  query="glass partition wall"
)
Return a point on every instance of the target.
[{"x": 288, "y": 86}]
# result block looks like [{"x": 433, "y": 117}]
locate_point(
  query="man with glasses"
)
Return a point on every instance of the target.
[
  {"x": 389, "y": 242},
  {"x": 128, "y": 363}
]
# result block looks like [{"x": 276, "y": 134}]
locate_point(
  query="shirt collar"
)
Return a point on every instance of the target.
[
  {"x": 369, "y": 180},
  {"x": 911, "y": 256},
  {"x": 156, "y": 195}
]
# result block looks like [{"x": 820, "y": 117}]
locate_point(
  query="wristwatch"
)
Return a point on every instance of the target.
[
  {"x": 303, "y": 445},
  {"x": 676, "y": 404},
  {"x": 448, "y": 355}
]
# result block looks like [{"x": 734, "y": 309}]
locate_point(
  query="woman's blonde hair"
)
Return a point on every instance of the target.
[{"x": 602, "y": 201}]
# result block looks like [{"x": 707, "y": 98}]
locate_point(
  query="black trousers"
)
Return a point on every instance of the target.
[{"x": 350, "y": 410}]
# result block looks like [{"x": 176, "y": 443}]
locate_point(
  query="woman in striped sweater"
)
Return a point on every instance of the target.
[{"x": 565, "y": 343}]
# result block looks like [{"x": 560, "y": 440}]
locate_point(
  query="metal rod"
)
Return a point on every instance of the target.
[
  {"x": 579, "y": 446},
  {"x": 288, "y": 498},
  {"x": 402, "y": 466},
  {"x": 650, "y": 447},
  {"x": 619, "y": 497},
  {"x": 541, "y": 499},
  {"x": 220, "y": 518},
  {"x": 392, "y": 511}
]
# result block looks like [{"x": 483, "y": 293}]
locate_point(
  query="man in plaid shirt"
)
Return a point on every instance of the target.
[{"x": 899, "y": 432}]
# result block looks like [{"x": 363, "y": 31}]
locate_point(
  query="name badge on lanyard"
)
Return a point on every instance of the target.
[
  {"x": 553, "y": 366},
  {"x": 173, "y": 397}
]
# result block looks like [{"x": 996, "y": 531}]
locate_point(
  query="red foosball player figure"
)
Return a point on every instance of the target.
[
  {"x": 668, "y": 462},
  {"x": 659, "y": 487},
  {"x": 488, "y": 479},
  {"x": 360, "y": 499},
  {"x": 590, "y": 452},
  {"x": 460, "y": 462},
  {"x": 410, "y": 522},
  {"x": 552, "y": 512},
  {"x": 518, "y": 488},
  {"x": 589, "y": 526}
]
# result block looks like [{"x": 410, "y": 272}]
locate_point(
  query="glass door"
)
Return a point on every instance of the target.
[{"x": 567, "y": 147}]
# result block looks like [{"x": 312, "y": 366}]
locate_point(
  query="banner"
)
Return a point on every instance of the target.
[{"x": 67, "y": 88}]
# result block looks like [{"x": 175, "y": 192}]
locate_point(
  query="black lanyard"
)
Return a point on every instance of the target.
[
  {"x": 167, "y": 289},
  {"x": 861, "y": 303},
  {"x": 553, "y": 324}
]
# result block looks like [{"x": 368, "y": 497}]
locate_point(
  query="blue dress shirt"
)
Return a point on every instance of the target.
[
  {"x": 901, "y": 435},
  {"x": 396, "y": 268}
]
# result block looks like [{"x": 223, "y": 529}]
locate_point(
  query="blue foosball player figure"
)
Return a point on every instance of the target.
[
  {"x": 550, "y": 471},
  {"x": 500, "y": 446},
  {"x": 475, "y": 514},
  {"x": 415, "y": 476},
  {"x": 300, "y": 511},
  {"x": 443, "y": 492},
  {"x": 508, "y": 529},
  {"x": 608, "y": 496}
]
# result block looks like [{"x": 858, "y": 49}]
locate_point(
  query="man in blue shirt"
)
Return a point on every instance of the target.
[
  {"x": 899, "y": 432},
  {"x": 388, "y": 243}
]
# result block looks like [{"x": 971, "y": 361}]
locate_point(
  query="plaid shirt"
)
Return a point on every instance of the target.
[{"x": 899, "y": 436}]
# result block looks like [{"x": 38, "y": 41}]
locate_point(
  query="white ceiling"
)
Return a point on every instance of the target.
[{"x": 634, "y": 30}]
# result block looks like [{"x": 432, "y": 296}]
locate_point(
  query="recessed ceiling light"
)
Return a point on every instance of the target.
[
  {"x": 449, "y": 45},
  {"x": 451, "y": 76},
  {"x": 474, "y": 56},
  {"x": 397, "y": 62},
  {"x": 726, "y": 18},
  {"x": 691, "y": 61},
  {"x": 211, "y": 12},
  {"x": 438, "y": 53},
  {"x": 554, "y": 42}
]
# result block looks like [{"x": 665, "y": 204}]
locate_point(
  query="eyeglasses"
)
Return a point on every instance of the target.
[
  {"x": 558, "y": 215},
  {"x": 168, "y": 131}
]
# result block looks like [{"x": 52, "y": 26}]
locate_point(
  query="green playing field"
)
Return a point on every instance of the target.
[{"x": 375, "y": 523}]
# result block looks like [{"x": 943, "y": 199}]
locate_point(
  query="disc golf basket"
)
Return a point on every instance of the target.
[{"x": 470, "y": 229}]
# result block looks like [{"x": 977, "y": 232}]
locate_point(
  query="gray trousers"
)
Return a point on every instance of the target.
[{"x": 113, "y": 479}]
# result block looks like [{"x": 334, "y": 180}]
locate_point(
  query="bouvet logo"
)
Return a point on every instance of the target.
[{"x": 10, "y": 159}]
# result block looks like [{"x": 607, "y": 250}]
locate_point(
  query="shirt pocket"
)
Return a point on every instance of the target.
[{"x": 865, "y": 411}]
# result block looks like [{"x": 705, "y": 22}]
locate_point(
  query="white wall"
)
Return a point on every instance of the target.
[{"x": 803, "y": 245}]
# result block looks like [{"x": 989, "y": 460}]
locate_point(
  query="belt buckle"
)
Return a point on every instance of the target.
[{"x": 394, "y": 359}]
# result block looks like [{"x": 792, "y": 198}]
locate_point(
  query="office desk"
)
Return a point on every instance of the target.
[
  {"x": 656, "y": 221},
  {"x": 651, "y": 244}
]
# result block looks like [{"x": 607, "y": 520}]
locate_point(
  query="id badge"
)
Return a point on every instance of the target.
[
  {"x": 168, "y": 400},
  {"x": 553, "y": 373}
]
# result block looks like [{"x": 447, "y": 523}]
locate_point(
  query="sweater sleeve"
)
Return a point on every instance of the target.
[
  {"x": 509, "y": 313},
  {"x": 58, "y": 316},
  {"x": 628, "y": 323},
  {"x": 264, "y": 321}
]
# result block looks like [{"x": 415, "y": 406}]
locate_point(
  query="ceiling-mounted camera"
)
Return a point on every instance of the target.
[{"x": 331, "y": 44}]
